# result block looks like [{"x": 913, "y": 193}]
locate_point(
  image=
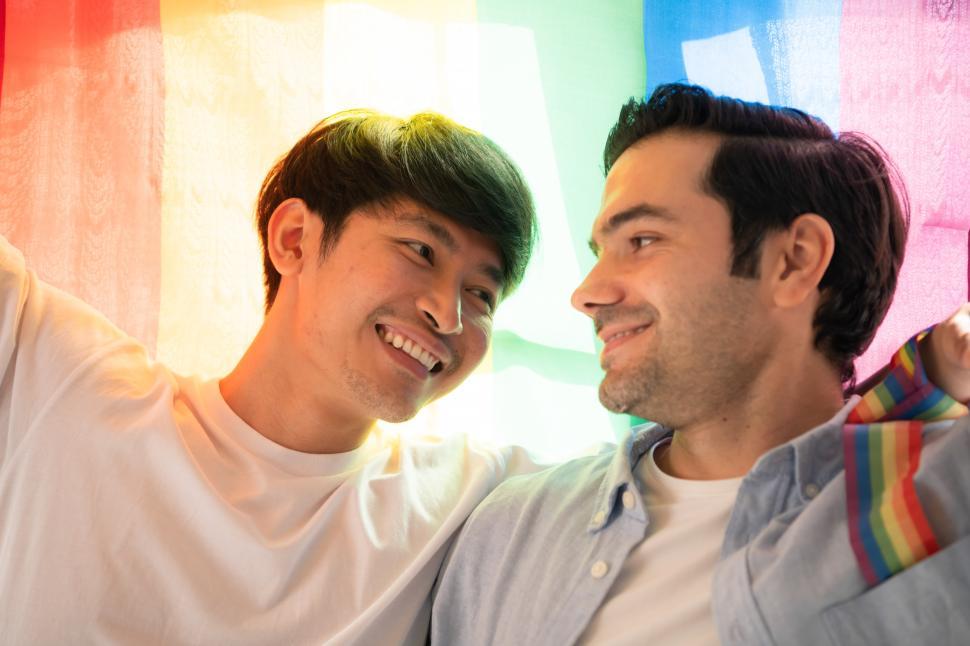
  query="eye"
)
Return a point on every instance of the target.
[
  {"x": 640, "y": 242},
  {"x": 422, "y": 250},
  {"x": 485, "y": 296}
]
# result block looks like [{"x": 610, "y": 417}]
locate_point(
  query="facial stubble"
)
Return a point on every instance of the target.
[{"x": 693, "y": 364}]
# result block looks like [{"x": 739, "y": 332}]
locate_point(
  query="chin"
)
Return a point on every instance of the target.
[
  {"x": 397, "y": 412},
  {"x": 612, "y": 400}
]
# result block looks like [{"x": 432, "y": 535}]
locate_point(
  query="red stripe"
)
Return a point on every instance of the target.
[
  {"x": 3, "y": 30},
  {"x": 81, "y": 135},
  {"x": 915, "y": 431}
]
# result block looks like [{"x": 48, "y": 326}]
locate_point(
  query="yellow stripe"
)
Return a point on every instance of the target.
[
  {"x": 906, "y": 358},
  {"x": 891, "y": 491},
  {"x": 242, "y": 85},
  {"x": 874, "y": 406}
]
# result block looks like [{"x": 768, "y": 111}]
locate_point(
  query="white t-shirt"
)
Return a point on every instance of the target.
[
  {"x": 137, "y": 508},
  {"x": 662, "y": 594}
]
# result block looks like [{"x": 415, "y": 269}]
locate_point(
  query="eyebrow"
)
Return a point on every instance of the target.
[
  {"x": 443, "y": 235},
  {"x": 638, "y": 212},
  {"x": 440, "y": 233}
]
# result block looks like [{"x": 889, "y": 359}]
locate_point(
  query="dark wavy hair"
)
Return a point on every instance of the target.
[
  {"x": 774, "y": 164},
  {"x": 360, "y": 157}
]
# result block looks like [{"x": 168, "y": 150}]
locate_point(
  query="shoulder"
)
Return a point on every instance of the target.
[
  {"x": 502, "y": 554},
  {"x": 543, "y": 497},
  {"x": 456, "y": 450}
]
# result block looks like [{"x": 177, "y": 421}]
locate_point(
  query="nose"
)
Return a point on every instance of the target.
[
  {"x": 441, "y": 306},
  {"x": 597, "y": 290}
]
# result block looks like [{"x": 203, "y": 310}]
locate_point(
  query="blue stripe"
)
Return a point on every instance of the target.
[
  {"x": 931, "y": 399},
  {"x": 781, "y": 31},
  {"x": 864, "y": 485},
  {"x": 895, "y": 389}
]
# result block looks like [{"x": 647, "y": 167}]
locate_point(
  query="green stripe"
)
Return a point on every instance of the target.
[
  {"x": 877, "y": 478},
  {"x": 885, "y": 397},
  {"x": 938, "y": 409}
]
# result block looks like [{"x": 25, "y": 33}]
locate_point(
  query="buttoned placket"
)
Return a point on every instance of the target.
[
  {"x": 619, "y": 523},
  {"x": 794, "y": 474}
]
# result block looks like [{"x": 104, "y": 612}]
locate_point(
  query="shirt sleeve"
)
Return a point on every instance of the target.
[{"x": 46, "y": 336}]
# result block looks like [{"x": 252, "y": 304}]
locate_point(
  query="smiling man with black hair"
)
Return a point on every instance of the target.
[
  {"x": 142, "y": 507},
  {"x": 744, "y": 257}
]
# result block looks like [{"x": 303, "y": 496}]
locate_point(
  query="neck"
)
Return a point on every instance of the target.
[
  {"x": 778, "y": 406},
  {"x": 284, "y": 408}
]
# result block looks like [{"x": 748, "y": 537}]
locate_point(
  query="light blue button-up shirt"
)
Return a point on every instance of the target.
[{"x": 522, "y": 570}]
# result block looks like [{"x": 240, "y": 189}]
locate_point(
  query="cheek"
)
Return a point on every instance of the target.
[{"x": 475, "y": 345}]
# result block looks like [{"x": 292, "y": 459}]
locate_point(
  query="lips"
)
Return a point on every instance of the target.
[{"x": 615, "y": 337}]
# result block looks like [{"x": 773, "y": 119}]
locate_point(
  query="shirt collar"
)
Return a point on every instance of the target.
[
  {"x": 815, "y": 454},
  {"x": 619, "y": 475}
]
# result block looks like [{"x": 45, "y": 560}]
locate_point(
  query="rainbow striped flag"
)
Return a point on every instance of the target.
[{"x": 882, "y": 439}]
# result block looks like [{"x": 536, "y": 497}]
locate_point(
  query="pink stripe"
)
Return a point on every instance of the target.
[
  {"x": 903, "y": 66},
  {"x": 3, "y": 11}
]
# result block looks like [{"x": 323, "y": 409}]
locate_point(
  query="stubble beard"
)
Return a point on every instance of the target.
[
  {"x": 635, "y": 391},
  {"x": 380, "y": 403},
  {"x": 698, "y": 370}
]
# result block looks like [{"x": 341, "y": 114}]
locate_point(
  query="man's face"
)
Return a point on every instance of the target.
[
  {"x": 399, "y": 312},
  {"x": 681, "y": 336}
]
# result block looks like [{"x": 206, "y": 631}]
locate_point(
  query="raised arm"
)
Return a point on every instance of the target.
[{"x": 946, "y": 355}]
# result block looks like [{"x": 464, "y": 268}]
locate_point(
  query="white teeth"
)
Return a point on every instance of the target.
[
  {"x": 418, "y": 353},
  {"x": 628, "y": 333}
]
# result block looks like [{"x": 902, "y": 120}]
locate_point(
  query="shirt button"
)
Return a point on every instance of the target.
[
  {"x": 599, "y": 517},
  {"x": 811, "y": 490},
  {"x": 628, "y": 499},
  {"x": 599, "y": 569}
]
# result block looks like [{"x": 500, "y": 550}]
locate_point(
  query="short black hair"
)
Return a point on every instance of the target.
[
  {"x": 360, "y": 157},
  {"x": 776, "y": 163}
]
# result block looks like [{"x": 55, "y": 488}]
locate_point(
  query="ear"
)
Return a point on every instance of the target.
[
  {"x": 287, "y": 235},
  {"x": 796, "y": 259}
]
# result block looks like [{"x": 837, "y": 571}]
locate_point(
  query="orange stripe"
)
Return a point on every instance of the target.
[
  {"x": 908, "y": 528},
  {"x": 862, "y": 413}
]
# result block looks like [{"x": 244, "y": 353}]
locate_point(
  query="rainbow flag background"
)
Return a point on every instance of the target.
[{"x": 134, "y": 135}]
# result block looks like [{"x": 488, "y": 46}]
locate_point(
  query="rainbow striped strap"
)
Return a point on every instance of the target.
[
  {"x": 906, "y": 393},
  {"x": 882, "y": 440}
]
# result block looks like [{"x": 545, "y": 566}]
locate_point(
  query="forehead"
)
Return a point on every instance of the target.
[{"x": 665, "y": 171}]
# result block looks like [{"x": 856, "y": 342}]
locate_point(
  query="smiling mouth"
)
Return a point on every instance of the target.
[
  {"x": 411, "y": 348},
  {"x": 625, "y": 333},
  {"x": 620, "y": 335},
  {"x": 618, "y": 339}
]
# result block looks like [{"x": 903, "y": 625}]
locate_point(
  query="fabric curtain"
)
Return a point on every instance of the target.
[{"x": 134, "y": 136}]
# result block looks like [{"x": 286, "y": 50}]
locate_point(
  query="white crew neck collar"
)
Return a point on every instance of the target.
[{"x": 223, "y": 419}]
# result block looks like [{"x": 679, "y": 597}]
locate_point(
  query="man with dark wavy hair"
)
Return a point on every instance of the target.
[
  {"x": 142, "y": 507},
  {"x": 745, "y": 256}
]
